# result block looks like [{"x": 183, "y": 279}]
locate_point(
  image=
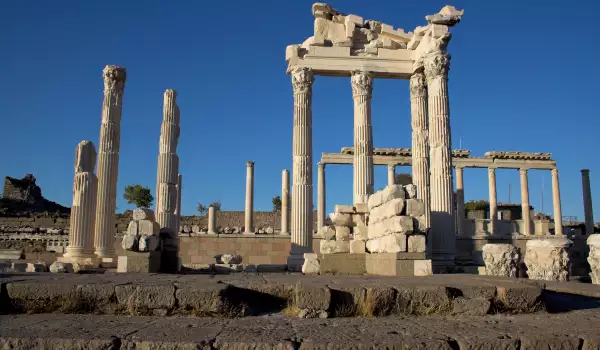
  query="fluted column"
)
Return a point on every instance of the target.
[
  {"x": 420, "y": 140},
  {"x": 83, "y": 211},
  {"x": 285, "y": 202},
  {"x": 362, "y": 88},
  {"x": 249, "y": 211},
  {"x": 212, "y": 220},
  {"x": 558, "y": 229},
  {"x": 168, "y": 165},
  {"x": 460, "y": 201},
  {"x": 525, "y": 207},
  {"x": 321, "y": 195},
  {"x": 391, "y": 174},
  {"x": 587, "y": 202},
  {"x": 178, "y": 209},
  {"x": 437, "y": 64},
  {"x": 302, "y": 203},
  {"x": 108, "y": 161},
  {"x": 492, "y": 200}
]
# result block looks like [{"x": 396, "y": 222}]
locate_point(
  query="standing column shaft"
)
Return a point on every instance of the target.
[
  {"x": 420, "y": 140},
  {"x": 441, "y": 205},
  {"x": 212, "y": 220},
  {"x": 362, "y": 88},
  {"x": 249, "y": 222},
  {"x": 178, "y": 210},
  {"x": 321, "y": 195},
  {"x": 391, "y": 174},
  {"x": 168, "y": 165},
  {"x": 83, "y": 211},
  {"x": 460, "y": 201},
  {"x": 558, "y": 229},
  {"x": 492, "y": 200},
  {"x": 108, "y": 161},
  {"x": 302, "y": 203},
  {"x": 285, "y": 202},
  {"x": 525, "y": 207},
  {"x": 587, "y": 202}
]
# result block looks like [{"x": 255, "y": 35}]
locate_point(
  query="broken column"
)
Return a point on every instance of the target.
[
  {"x": 320, "y": 195},
  {"x": 587, "y": 202},
  {"x": 285, "y": 200},
  {"x": 525, "y": 208},
  {"x": 167, "y": 181},
  {"x": 212, "y": 221},
  {"x": 548, "y": 259},
  {"x": 558, "y": 228},
  {"x": 362, "y": 88},
  {"x": 437, "y": 64},
  {"x": 108, "y": 162},
  {"x": 302, "y": 203},
  {"x": 83, "y": 212},
  {"x": 500, "y": 260},
  {"x": 420, "y": 138},
  {"x": 249, "y": 210},
  {"x": 391, "y": 174}
]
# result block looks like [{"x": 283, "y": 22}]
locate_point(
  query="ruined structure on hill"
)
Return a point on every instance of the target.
[{"x": 24, "y": 196}]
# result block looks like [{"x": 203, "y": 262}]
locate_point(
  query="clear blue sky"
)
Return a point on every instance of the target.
[{"x": 524, "y": 76}]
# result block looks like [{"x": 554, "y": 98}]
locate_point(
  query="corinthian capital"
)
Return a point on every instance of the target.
[
  {"x": 302, "y": 80},
  {"x": 114, "y": 78},
  {"x": 437, "y": 64},
  {"x": 362, "y": 83},
  {"x": 418, "y": 85}
]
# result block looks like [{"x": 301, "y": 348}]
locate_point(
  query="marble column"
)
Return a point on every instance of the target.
[
  {"x": 108, "y": 162},
  {"x": 168, "y": 166},
  {"x": 212, "y": 220},
  {"x": 249, "y": 210},
  {"x": 493, "y": 200},
  {"x": 587, "y": 202},
  {"x": 285, "y": 202},
  {"x": 83, "y": 211},
  {"x": 178, "y": 209},
  {"x": 437, "y": 64},
  {"x": 362, "y": 88},
  {"x": 302, "y": 184},
  {"x": 420, "y": 140},
  {"x": 392, "y": 174},
  {"x": 558, "y": 228},
  {"x": 525, "y": 207},
  {"x": 320, "y": 195},
  {"x": 460, "y": 201}
]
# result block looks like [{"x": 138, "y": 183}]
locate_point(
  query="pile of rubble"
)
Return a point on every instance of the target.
[
  {"x": 34, "y": 230},
  {"x": 348, "y": 231}
]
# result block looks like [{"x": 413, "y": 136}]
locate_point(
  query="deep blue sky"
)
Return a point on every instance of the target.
[{"x": 524, "y": 76}]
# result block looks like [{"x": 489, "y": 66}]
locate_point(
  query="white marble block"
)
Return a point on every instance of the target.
[
  {"x": 501, "y": 259},
  {"x": 548, "y": 259},
  {"x": 594, "y": 257}
]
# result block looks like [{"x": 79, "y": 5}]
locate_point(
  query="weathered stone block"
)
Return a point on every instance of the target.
[
  {"x": 148, "y": 262},
  {"x": 60, "y": 267},
  {"x": 343, "y": 264},
  {"x": 416, "y": 244},
  {"x": 411, "y": 191},
  {"x": 342, "y": 233},
  {"x": 148, "y": 228},
  {"x": 334, "y": 247},
  {"x": 358, "y": 247},
  {"x": 386, "y": 210},
  {"x": 361, "y": 232},
  {"x": 231, "y": 259},
  {"x": 339, "y": 219},
  {"x": 422, "y": 268},
  {"x": 361, "y": 208},
  {"x": 130, "y": 242},
  {"x": 501, "y": 260},
  {"x": 204, "y": 299},
  {"x": 392, "y": 243},
  {"x": 132, "y": 228},
  {"x": 155, "y": 296},
  {"x": 143, "y": 214},
  {"x": 327, "y": 233},
  {"x": 396, "y": 224},
  {"x": 148, "y": 243},
  {"x": 415, "y": 208},
  {"x": 471, "y": 307},
  {"x": 311, "y": 264},
  {"x": 387, "y": 194},
  {"x": 312, "y": 296},
  {"x": 344, "y": 209}
]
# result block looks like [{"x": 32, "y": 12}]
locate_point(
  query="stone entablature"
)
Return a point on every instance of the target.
[
  {"x": 518, "y": 155},
  {"x": 403, "y": 152}
]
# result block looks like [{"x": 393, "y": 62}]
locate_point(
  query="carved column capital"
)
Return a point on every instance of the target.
[
  {"x": 418, "y": 85},
  {"x": 114, "y": 78},
  {"x": 302, "y": 80},
  {"x": 491, "y": 171},
  {"x": 392, "y": 166},
  {"x": 554, "y": 172},
  {"x": 250, "y": 163},
  {"x": 321, "y": 165},
  {"x": 523, "y": 171},
  {"x": 437, "y": 64},
  {"x": 362, "y": 83}
]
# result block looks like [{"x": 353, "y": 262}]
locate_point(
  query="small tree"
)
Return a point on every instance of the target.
[
  {"x": 276, "y": 204},
  {"x": 403, "y": 179},
  {"x": 138, "y": 195},
  {"x": 477, "y": 205},
  {"x": 202, "y": 209},
  {"x": 216, "y": 205}
]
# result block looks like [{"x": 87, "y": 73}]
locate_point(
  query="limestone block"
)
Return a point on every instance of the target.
[
  {"x": 269, "y": 230},
  {"x": 501, "y": 260},
  {"x": 358, "y": 247},
  {"x": 387, "y": 210},
  {"x": 342, "y": 233},
  {"x": 343, "y": 209},
  {"x": 396, "y": 224},
  {"x": 148, "y": 228},
  {"x": 60, "y": 267},
  {"x": 392, "y": 243},
  {"x": 423, "y": 268},
  {"x": 231, "y": 259},
  {"x": 186, "y": 229},
  {"x": 594, "y": 257},
  {"x": 339, "y": 219},
  {"x": 416, "y": 244},
  {"x": 195, "y": 229},
  {"x": 420, "y": 224},
  {"x": 143, "y": 214},
  {"x": 36, "y": 267},
  {"x": 130, "y": 242},
  {"x": 327, "y": 233},
  {"x": 411, "y": 191},
  {"x": 132, "y": 228},
  {"x": 361, "y": 208},
  {"x": 334, "y": 247},
  {"x": 387, "y": 194},
  {"x": 146, "y": 262},
  {"x": 415, "y": 208},
  {"x": 359, "y": 219},
  {"x": 548, "y": 259},
  {"x": 311, "y": 264},
  {"x": 350, "y": 26},
  {"x": 361, "y": 233},
  {"x": 354, "y": 19},
  {"x": 148, "y": 243}
]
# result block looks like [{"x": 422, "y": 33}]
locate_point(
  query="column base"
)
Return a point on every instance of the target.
[
  {"x": 79, "y": 253},
  {"x": 284, "y": 233},
  {"x": 80, "y": 263},
  {"x": 248, "y": 233}
]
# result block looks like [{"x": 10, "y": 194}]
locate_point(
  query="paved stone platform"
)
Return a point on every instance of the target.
[
  {"x": 573, "y": 330},
  {"x": 240, "y": 295}
]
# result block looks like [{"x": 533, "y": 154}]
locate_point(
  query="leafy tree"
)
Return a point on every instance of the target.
[
  {"x": 138, "y": 195},
  {"x": 477, "y": 205},
  {"x": 216, "y": 205},
  {"x": 403, "y": 179},
  {"x": 276, "y": 204},
  {"x": 202, "y": 209}
]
